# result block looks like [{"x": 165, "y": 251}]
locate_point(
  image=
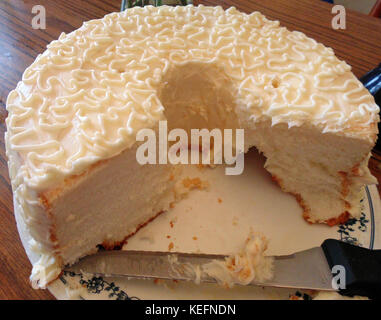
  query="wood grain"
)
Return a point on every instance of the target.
[{"x": 359, "y": 45}]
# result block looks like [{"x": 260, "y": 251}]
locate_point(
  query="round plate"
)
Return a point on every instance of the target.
[{"x": 218, "y": 220}]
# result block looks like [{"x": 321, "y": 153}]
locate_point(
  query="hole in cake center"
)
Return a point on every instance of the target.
[{"x": 198, "y": 95}]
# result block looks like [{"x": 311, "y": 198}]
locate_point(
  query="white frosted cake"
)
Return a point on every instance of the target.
[{"x": 73, "y": 119}]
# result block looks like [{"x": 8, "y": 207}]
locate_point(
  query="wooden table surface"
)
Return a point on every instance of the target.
[{"x": 359, "y": 45}]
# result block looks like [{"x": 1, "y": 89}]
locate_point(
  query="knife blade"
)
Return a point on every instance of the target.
[{"x": 302, "y": 270}]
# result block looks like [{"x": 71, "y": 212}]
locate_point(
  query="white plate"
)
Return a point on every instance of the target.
[{"x": 202, "y": 223}]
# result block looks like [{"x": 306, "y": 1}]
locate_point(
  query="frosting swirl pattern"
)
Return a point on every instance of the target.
[{"x": 88, "y": 94}]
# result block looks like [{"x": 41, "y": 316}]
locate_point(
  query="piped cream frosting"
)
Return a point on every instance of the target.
[{"x": 86, "y": 96}]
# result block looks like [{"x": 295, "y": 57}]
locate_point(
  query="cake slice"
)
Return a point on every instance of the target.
[{"x": 73, "y": 120}]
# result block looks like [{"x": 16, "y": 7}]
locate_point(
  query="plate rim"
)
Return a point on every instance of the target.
[{"x": 59, "y": 291}]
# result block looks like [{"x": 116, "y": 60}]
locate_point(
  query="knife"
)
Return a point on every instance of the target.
[{"x": 309, "y": 269}]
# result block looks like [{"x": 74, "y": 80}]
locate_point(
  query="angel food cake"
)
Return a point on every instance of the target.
[{"x": 73, "y": 119}]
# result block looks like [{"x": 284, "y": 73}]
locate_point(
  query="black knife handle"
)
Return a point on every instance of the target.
[
  {"x": 372, "y": 81},
  {"x": 362, "y": 267}
]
